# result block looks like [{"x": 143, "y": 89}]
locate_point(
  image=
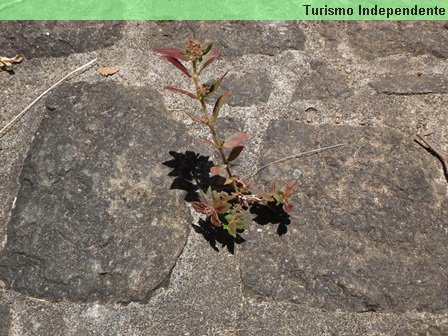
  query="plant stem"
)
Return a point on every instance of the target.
[
  {"x": 216, "y": 139},
  {"x": 218, "y": 144}
]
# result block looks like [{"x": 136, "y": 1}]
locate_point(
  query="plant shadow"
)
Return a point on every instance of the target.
[
  {"x": 191, "y": 172},
  {"x": 271, "y": 214},
  {"x": 216, "y": 235}
]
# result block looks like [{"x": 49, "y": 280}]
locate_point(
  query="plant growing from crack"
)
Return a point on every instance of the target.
[{"x": 224, "y": 204}]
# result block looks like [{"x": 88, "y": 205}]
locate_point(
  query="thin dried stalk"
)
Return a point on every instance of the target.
[
  {"x": 17, "y": 117},
  {"x": 313, "y": 151},
  {"x": 422, "y": 140}
]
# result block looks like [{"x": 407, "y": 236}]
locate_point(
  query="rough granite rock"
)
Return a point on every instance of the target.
[
  {"x": 5, "y": 320},
  {"x": 249, "y": 89},
  {"x": 323, "y": 83},
  {"x": 93, "y": 218},
  {"x": 205, "y": 295},
  {"x": 369, "y": 232},
  {"x": 266, "y": 37},
  {"x": 55, "y": 38},
  {"x": 385, "y": 38},
  {"x": 410, "y": 84},
  {"x": 230, "y": 37},
  {"x": 427, "y": 37},
  {"x": 288, "y": 319}
]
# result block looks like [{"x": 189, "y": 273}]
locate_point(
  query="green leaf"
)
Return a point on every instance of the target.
[
  {"x": 240, "y": 223},
  {"x": 218, "y": 104},
  {"x": 230, "y": 229},
  {"x": 278, "y": 197},
  {"x": 234, "y": 221},
  {"x": 236, "y": 151}
]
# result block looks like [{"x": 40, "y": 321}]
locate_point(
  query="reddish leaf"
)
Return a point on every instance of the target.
[
  {"x": 193, "y": 117},
  {"x": 171, "y": 52},
  {"x": 214, "y": 55},
  {"x": 189, "y": 94},
  {"x": 290, "y": 188},
  {"x": 178, "y": 65},
  {"x": 236, "y": 151},
  {"x": 273, "y": 187},
  {"x": 207, "y": 142},
  {"x": 235, "y": 140},
  {"x": 288, "y": 206},
  {"x": 214, "y": 220},
  {"x": 219, "y": 103},
  {"x": 211, "y": 203},
  {"x": 200, "y": 207},
  {"x": 216, "y": 170}
]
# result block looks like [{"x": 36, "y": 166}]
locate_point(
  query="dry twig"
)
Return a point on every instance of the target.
[
  {"x": 313, "y": 151},
  {"x": 422, "y": 140},
  {"x": 85, "y": 66}
]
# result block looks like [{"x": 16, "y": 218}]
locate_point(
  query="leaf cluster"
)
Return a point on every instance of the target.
[{"x": 223, "y": 205}]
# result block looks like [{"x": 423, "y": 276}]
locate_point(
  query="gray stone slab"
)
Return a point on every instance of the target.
[
  {"x": 369, "y": 232},
  {"x": 56, "y": 38},
  {"x": 94, "y": 220},
  {"x": 249, "y": 89},
  {"x": 426, "y": 37},
  {"x": 286, "y": 319},
  {"x": 411, "y": 84},
  {"x": 323, "y": 83},
  {"x": 233, "y": 38},
  {"x": 5, "y": 320},
  {"x": 384, "y": 38},
  {"x": 205, "y": 295}
]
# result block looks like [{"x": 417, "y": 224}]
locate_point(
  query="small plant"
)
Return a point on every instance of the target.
[{"x": 223, "y": 204}]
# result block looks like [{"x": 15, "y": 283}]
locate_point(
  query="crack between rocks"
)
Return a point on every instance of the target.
[
  {"x": 242, "y": 306},
  {"x": 166, "y": 282},
  {"x": 410, "y": 93}
]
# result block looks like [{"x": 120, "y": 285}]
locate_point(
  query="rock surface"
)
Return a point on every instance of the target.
[
  {"x": 323, "y": 83},
  {"x": 55, "y": 39},
  {"x": 231, "y": 37},
  {"x": 249, "y": 89},
  {"x": 368, "y": 234},
  {"x": 5, "y": 319},
  {"x": 406, "y": 84},
  {"x": 362, "y": 255},
  {"x": 92, "y": 216},
  {"x": 381, "y": 39}
]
